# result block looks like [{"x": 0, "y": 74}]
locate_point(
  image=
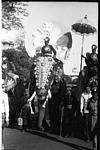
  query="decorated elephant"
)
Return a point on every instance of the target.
[{"x": 42, "y": 74}]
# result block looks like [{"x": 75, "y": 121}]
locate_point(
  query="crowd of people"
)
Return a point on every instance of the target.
[{"x": 63, "y": 108}]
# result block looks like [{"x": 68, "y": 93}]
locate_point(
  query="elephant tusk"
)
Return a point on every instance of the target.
[
  {"x": 49, "y": 94},
  {"x": 33, "y": 95}
]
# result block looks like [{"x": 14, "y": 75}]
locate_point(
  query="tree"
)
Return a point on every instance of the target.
[
  {"x": 20, "y": 40},
  {"x": 20, "y": 61},
  {"x": 12, "y": 13}
]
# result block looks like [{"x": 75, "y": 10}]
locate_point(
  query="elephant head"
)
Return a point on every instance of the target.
[{"x": 43, "y": 72}]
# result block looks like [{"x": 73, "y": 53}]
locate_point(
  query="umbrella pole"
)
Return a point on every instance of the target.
[
  {"x": 62, "y": 111},
  {"x": 82, "y": 52}
]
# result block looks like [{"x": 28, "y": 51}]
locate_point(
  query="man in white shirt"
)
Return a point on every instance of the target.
[
  {"x": 5, "y": 112},
  {"x": 85, "y": 112},
  {"x": 5, "y": 109}
]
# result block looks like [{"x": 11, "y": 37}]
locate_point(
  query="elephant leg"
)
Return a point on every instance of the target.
[
  {"x": 41, "y": 117},
  {"x": 47, "y": 118}
]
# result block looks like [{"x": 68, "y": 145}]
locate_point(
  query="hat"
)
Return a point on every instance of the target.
[
  {"x": 94, "y": 46},
  {"x": 47, "y": 39}
]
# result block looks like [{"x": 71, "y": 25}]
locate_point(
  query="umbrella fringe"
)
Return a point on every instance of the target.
[{"x": 78, "y": 33}]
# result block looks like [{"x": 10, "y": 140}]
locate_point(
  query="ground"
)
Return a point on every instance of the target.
[{"x": 15, "y": 139}]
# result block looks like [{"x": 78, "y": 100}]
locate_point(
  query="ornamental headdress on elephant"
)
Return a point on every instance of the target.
[{"x": 59, "y": 39}]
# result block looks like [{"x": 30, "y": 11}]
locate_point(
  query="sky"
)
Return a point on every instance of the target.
[
  {"x": 65, "y": 13},
  {"x": 62, "y": 15}
]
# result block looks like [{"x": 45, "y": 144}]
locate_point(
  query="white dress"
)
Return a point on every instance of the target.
[{"x": 5, "y": 105}]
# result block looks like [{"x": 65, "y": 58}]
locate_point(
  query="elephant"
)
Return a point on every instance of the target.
[{"x": 42, "y": 74}]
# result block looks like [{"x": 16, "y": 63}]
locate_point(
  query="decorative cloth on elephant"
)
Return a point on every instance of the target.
[{"x": 43, "y": 69}]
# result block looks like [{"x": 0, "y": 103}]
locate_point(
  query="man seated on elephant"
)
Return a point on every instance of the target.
[
  {"x": 47, "y": 49},
  {"x": 94, "y": 56},
  {"x": 91, "y": 61}
]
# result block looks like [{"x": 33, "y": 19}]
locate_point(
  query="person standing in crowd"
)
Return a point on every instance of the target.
[
  {"x": 93, "y": 110},
  {"x": 47, "y": 49},
  {"x": 5, "y": 112},
  {"x": 26, "y": 111},
  {"x": 86, "y": 95},
  {"x": 5, "y": 109},
  {"x": 94, "y": 136},
  {"x": 58, "y": 89},
  {"x": 68, "y": 113},
  {"x": 18, "y": 94},
  {"x": 25, "y": 114}
]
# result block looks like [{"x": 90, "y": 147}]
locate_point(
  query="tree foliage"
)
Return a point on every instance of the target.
[
  {"x": 21, "y": 61},
  {"x": 12, "y": 13}
]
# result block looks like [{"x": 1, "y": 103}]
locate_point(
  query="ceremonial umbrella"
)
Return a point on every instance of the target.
[
  {"x": 65, "y": 41},
  {"x": 84, "y": 28}
]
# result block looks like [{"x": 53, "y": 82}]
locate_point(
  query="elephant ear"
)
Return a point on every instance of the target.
[{"x": 58, "y": 68}]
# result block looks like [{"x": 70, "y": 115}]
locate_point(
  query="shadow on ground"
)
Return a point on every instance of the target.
[{"x": 58, "y": 139}]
